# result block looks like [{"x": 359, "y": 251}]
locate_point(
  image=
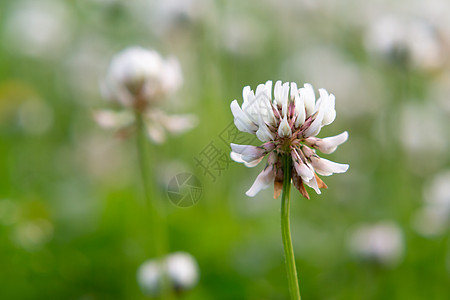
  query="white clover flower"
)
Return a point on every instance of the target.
[
  {"x": 180, "y": 268},
  {"x": 381, "y": 242},
  {"x": 433, "y": 218},
  {"x": 287, "y": 125},
  {"x": 417, "y": 40},
  {"x": 38, "y": 28},
  {"x": 33, "y": 234},
  {"x": 167, "y": 16},
  {"x": 139, "y": 79},
  {"x": 425, "y": 120}
]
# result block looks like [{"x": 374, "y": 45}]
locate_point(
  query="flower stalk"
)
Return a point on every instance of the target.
[
  {"x": 144, "y": 166},
  {"x": 153, "y": 206},
  {"x": 286, "y": 230}
]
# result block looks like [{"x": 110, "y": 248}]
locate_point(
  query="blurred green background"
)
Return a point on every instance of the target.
[{"x": 72, "y": 223}]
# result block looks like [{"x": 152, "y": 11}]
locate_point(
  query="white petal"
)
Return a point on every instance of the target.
[
  {"x": 278, "y": 93},
  {"x": 309, "y": 98},
  {"x": 253, "y": 163},
  {"x": 327, "y": 104},
  {"x": 328, "y": 145},
  {"x": 329, "y": 117},
  {"x": 269, "y": 88},
  {"x": 245, "y": 91},
  {"x": 241, "y": 120},
  {"x": 323, "y": 98},
  {"x": 294, "y": 90},
  {"x": 313, "y": 184},
  {"x": 303, "y": 170},
  {"x": 270, "y": 117},
  {"x": 284, "y": 130},
  {"x": 109, "y": 119},
  {"x": 244, "y": 127},
  {"x": 284, "y": 98},
  {"x": 248, "y": 152},
  {"x": 263, "y": 133},
  {"x": 326, "y": 167},
  {"x": 264, "y": 180},
  {"x": 250, "y": 108},
  {"x": 179, "y": 123},
  {"x": 238, "y": 158},
  {"x": 299, "y": 107},
  {"x": 315, "y": 126},
  {"x": 156, "y": 132},
  {"x": 264, "y": 106},
  {"x": 261, "y": 96}
]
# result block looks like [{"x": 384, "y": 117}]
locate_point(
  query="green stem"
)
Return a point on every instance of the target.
[
  {"x": 146, "y": 176},
  {"x": 286, "y": 230},
  {"x": 155, "y": 208}
]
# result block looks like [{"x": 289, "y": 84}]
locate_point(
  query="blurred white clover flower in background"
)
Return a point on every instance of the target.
[
  {"x": 35, "y": 116},
  {"x": 381, "y": 243},
  {"x": 420, "y": 131},
  {"x": 165, "y": 17},
  {"x": 138, "y": 76},
  {"x": 38, "y": 28},
  {"x": 287, "y": 125},
  {"x": 139, "y": 79},
  {"x": 243, "y": 36},
  {"x": 440, "y": 91},
  {"x": 416, "y": 40},
  {"x": 180, "y": 268},
  {"x": 32, "y": 235},
  {"x": 434, "y": 217}
]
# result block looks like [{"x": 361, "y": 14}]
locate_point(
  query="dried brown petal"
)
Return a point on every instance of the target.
[
  {"x": 278, "y": 183},
  {"x": 298, "y": 183},
  {"x": 320, "y": 183},
  {"x": 277, "y": 188}
]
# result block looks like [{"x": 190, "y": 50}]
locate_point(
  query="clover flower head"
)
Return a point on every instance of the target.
[
  {"x": 137, "y": 76},
  {"x": 412, "y": 40},
  {"x": 139, "y": 79},
  {"x": 40, "y": 29},
  {"x": 433, "y": 218},
  {"x": 382, "y": 243},
  {"x": 287, "y": 124}
]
